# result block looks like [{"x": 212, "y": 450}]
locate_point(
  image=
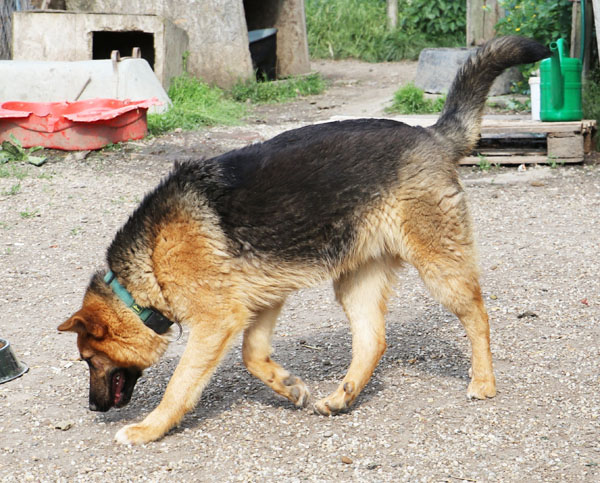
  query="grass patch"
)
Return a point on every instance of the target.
[
  {"x": 409, "y": 99},
  {"x": 195, "y": 104},
  {"x": 339, "y": 29},
  {"x": 278, "y": 91}
]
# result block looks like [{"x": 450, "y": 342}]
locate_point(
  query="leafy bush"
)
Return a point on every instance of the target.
[
  {"x": 542, "y": 20},
  {"x": 409, "y": 99},
  {"x": 436, "y": 18}
]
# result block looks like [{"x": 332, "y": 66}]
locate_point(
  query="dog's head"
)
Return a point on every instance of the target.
[{"x": 114, "y": 342}]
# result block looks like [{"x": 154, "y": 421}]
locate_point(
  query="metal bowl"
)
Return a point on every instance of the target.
[{"x": 10, "y": 367}]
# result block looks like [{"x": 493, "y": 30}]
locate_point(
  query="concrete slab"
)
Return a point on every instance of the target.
[{"x": 46, "y": 81}]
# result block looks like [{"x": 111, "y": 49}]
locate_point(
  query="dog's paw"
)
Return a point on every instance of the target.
[
  {"x": 297, "y": 392},
  {"x": 136, "y": 434},
  {"x": 481, "y": 389},
  {"x": 339, "y": 401}
]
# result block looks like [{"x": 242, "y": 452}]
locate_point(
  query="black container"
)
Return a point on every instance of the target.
[
  {"x": 263, "y": 50},
  {"x": 10, "y": 367}
]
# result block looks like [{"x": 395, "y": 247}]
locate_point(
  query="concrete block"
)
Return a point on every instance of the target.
[
  {"x": 565, "y": 146},
  {"x": 438, "y": 67},
  {"x": 47, "y": 81}
]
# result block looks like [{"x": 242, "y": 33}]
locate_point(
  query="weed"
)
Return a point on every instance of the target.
[
  {"x": 554, "y": 163},
  {"x": 28, "y": 214},
  {"x": 409, "y": 99},
  {"x": 113, "y": 147},
  {"x": 4, "y": 225},
  {"x": 483, "y": 163},
  {"x": 13, "y": 150},
  {"x": 278, "y": 91},
  {"x": 14, "y": 189},
  {"x": 76, "y": 231}
]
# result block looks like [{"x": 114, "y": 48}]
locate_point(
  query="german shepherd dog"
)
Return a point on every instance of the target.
[{"x": 221, "y": 243}]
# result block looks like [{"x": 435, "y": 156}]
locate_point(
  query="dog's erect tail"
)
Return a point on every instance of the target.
[{"x": 460, "y": 120}]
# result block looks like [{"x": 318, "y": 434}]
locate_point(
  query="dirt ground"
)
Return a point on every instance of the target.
[{"x": 539, "y": 249}]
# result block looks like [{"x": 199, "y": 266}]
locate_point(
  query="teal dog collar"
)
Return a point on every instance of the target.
[{"x": 151, "y": 318}]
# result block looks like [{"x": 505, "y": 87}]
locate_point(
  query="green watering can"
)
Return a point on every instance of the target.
[{"x": 560, "y": 85}]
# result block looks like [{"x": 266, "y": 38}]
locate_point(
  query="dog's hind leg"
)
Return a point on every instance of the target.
[
  {"x": 256, "y": 351},
  {"x": 363, "y": 294},
  {"x": 208, "y": 342},
  {"x": 452, "y": 278}
]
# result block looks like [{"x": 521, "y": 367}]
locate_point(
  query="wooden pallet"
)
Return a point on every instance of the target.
[
  {"x": 521, "y": 141},
  {"x": 533, "y": 142}
]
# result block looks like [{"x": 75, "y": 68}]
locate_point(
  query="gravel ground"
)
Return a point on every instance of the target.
[{"x": 539, "y": 250}]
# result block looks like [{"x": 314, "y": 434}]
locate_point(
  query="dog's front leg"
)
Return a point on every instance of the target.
[{"x": 207, "y": 344}]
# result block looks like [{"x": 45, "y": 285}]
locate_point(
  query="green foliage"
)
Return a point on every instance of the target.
[
  {"x": 483, "y": 163},
  {"x": 436, "y": 18},
  {"x": 554, "y": 163},
  {"x": 591, "y": 99},
  {"x": 195, "y": 104},
  {"x": 28, "y": 214},
  {"x": 409, "y": 99},
  {"x": 542, "y": 20},
  {"x": 358, "y": 29},
  {"x": 278, "y": 91}
]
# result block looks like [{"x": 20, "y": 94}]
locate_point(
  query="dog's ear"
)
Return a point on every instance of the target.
[{"x": 83, "y": 322}]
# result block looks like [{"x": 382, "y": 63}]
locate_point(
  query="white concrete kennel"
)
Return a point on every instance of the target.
[
  {"x": 69, "y": 36},
  {"x": 218, "y": 32}
]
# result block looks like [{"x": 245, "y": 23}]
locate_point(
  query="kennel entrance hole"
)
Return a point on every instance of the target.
[
  {"x": 261, "y": 18},
  {"x": 104, "y": 42}
]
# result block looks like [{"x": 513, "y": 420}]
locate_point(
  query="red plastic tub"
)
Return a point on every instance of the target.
[{"x": 81, "y": 125}]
